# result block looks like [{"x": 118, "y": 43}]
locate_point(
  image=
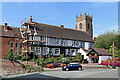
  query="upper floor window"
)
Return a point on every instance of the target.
[
  {"x": 88, "y": 26},
  {"x": 80, "y": 25}
]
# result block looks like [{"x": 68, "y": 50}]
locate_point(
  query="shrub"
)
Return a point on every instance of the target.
[
  {"x": 74, "y": 59},
  {"x": 79, "y": 56},
  {"x": 49, "y": 60},
  {"x": 55, "y": 64},
  {"x": 8, "y": 56},
  {"x": 65, "y": 60},
  {"x": 12, "y": 57},
  {"x": 25, "y": 58},
  {"x": 42, "y": 64},
  {"x": 33, "y": 68}
]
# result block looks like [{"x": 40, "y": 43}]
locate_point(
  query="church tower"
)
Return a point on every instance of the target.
[{"x": 84, "y": 23}]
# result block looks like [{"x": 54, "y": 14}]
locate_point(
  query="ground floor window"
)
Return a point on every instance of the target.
[
  {"x": 37, "y": 50},
  {"x": 50, "y": 52},
  {"x": 56, "y": 51},
  {"x": 20, "y": 48},
  {"x": 73, "y": 52},
  {"x": 16, "y": 48},
  {"x": 68, "y": 52},
  {"x": 44, "y": 50},
  {"x": 11, "y": 49}
]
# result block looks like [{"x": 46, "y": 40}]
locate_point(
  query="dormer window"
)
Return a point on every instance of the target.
[{"x": 80, "y": 25}]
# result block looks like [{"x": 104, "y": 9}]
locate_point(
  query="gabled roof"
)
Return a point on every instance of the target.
[
  {"x": 60, "y": 32},
  {"x": 11, "y": 32},
  {"x": 100, "y": 51}
]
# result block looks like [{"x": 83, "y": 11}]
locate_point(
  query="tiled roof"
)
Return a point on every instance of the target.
[
  {"x": 60, "y": 32},
  {"x": 11, "y": 32},
  {"x": 100, "y": 51},
  {"x": 85, "y": 50}
]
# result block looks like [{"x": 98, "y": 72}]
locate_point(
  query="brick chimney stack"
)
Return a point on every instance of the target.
[
  {"x": 31, "y": 19},
  {"x": 5, "y": 26}
]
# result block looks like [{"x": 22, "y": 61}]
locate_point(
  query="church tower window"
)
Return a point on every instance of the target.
[
  {"x": 80, "y": 25},
  {"x": 88, "y": 26}
]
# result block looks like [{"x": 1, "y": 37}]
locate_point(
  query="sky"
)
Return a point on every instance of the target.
[{"x": 105, "y": 14}]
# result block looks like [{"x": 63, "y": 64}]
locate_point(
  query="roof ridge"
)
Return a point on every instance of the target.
[{"x": 63, "y": 27}]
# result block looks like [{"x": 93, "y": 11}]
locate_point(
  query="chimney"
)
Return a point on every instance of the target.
[
  {"x": 31, "y": 19},
  {"x": 5, "y": 26},
  {"x": 62, "y": 26}
]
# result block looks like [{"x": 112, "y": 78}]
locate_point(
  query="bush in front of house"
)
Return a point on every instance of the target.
[
  {"x": 32, "y": 68},
  {"x": 40, "y": 61},
  {"x": 65, "y": 60},
  {"x": 25, "y": 58},
  {"x": 74, "y": 59},
  {"x": 12, "y": 57}
]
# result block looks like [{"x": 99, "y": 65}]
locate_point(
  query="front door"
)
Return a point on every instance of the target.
[{"x": 93, "y": 60}]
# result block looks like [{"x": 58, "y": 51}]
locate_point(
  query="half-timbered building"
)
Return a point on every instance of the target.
[{"x": 43, "y": 39}]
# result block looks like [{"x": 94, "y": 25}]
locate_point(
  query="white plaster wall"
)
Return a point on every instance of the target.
[
  {"x": 104, "y": 57},
  {"x": 86, "y": 45},
  {"x": 83, "y": 53},
  {"x": 101, "y": 58}
]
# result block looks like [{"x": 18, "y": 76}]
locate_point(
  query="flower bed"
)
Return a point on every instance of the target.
[
  {"x": 111, "y": 61},
  {"x": 63, "y": 65},
  {"x": 50, "y": 66}
]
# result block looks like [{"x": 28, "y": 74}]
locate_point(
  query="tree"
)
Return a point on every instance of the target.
[
  {"x": 79, "y": 56},
  {"x": 116, "y": 52},
  {"x": 106, "y": 40}
]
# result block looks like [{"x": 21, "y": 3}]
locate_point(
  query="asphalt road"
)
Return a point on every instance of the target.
[{"x": 88, "y": 73}]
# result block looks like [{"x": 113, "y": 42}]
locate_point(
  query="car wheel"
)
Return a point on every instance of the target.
[
  {"x": 67, "y": 69},
  {"x": 80, "y": 68}
]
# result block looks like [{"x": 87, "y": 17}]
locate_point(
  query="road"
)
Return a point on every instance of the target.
[{"x": 88, "y": 73}]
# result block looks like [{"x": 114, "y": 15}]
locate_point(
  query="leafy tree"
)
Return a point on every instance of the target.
[
  {"x": 116, "y": 52},
  {"x": 106, "y": 40},
  {"x": 79, "y": 56}
]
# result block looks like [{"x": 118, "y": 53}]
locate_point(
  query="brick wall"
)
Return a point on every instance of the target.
[{"x": 6, "y": 45}]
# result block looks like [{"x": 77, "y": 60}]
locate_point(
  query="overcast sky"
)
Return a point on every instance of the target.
[{"x": 105, "y": 14}]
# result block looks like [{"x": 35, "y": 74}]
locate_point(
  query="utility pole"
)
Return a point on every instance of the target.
[{"x": 113, "y": 49}]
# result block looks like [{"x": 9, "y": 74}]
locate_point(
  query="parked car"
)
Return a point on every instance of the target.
[{"x": 72, "y": 66}]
